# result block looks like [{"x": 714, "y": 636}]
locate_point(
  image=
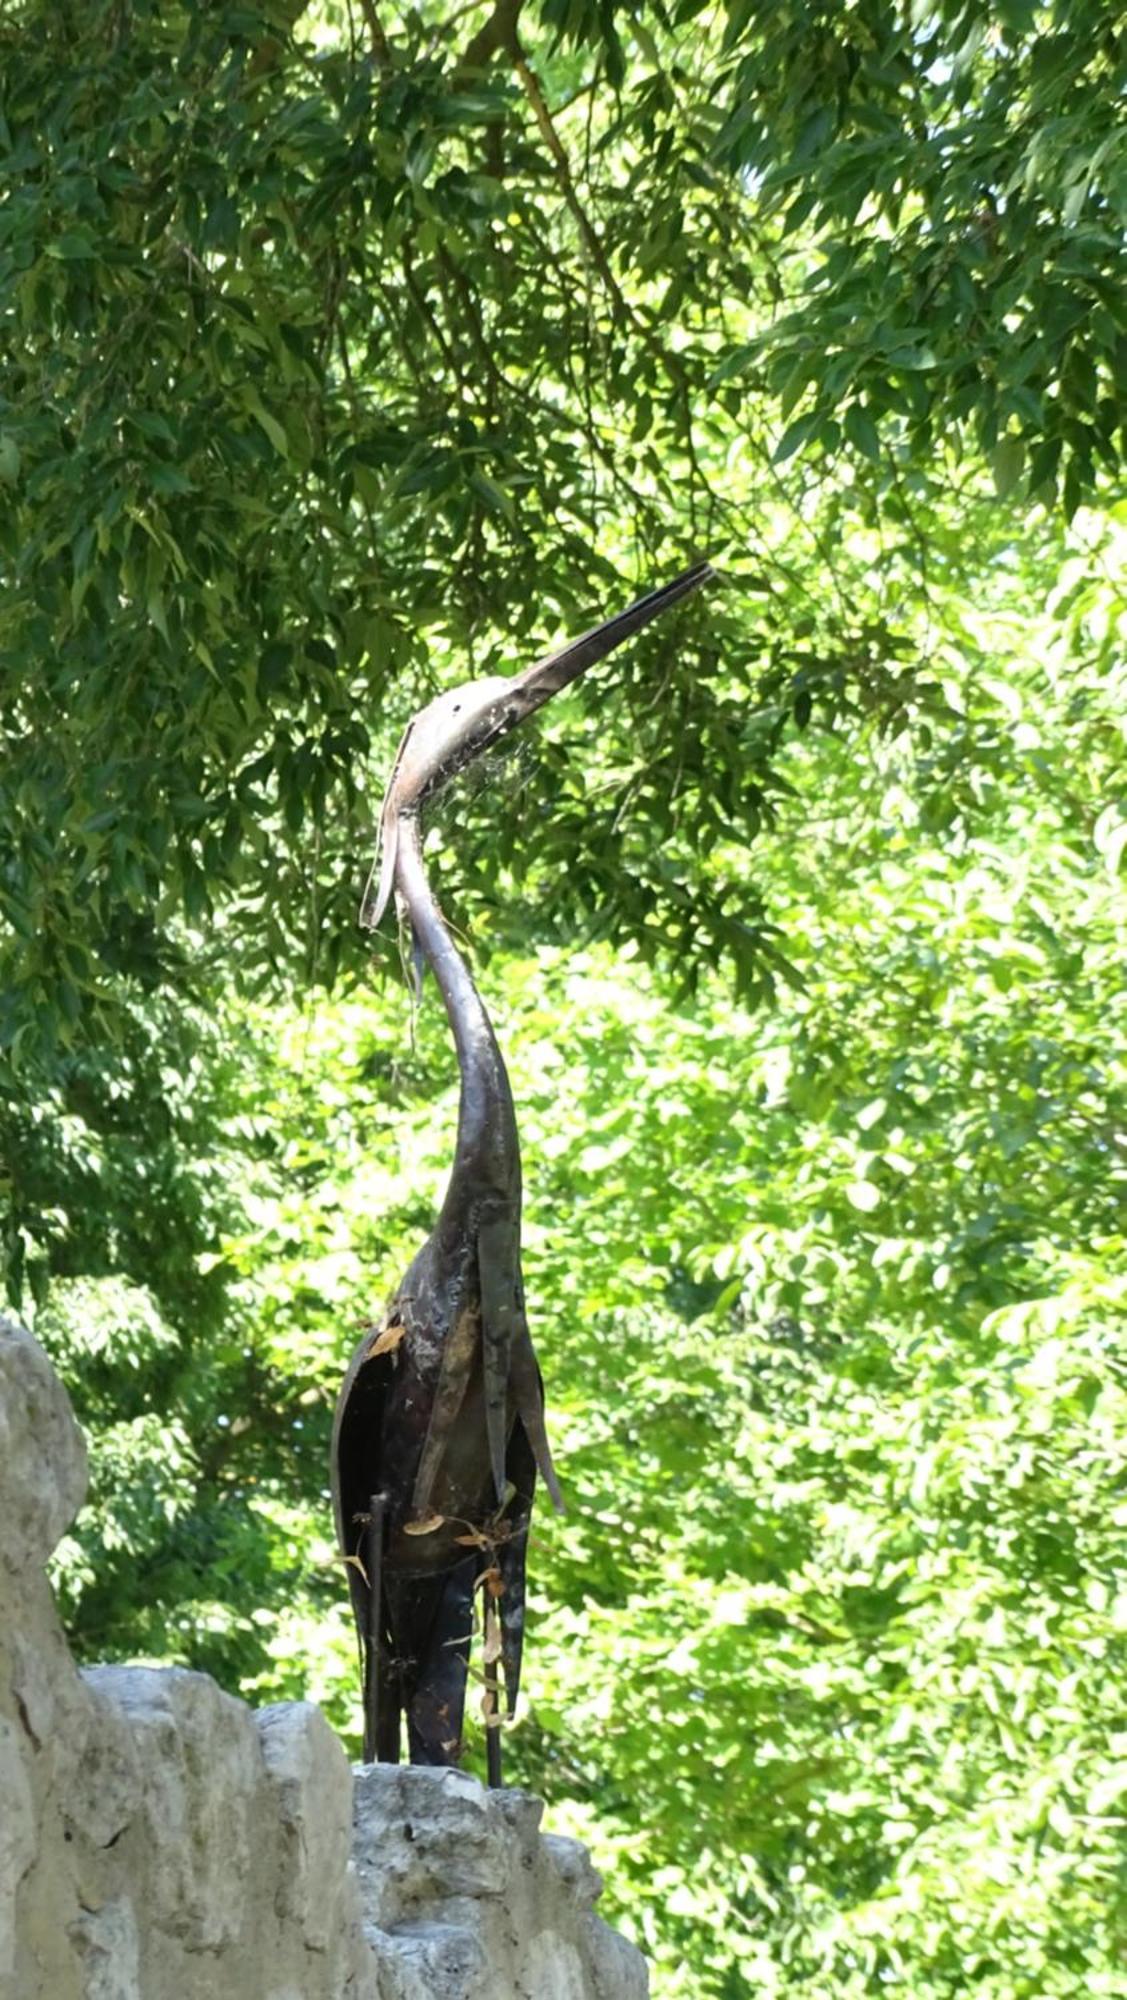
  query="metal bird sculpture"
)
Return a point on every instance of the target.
[{"x": 439, "y": 1429}]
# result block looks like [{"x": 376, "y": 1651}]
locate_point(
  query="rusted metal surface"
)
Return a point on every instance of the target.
[{"x": 439, "y": 1431}]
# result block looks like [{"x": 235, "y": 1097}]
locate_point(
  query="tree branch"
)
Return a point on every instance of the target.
[
  {"x": 419, "y": 300},
  {"x": 530, "y": 83},
  {"x": 497, "y": 33},
  {"x": 381, "y": 47}
]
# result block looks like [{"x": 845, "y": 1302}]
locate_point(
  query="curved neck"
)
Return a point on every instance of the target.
[{"x": 487, "y": 1157}]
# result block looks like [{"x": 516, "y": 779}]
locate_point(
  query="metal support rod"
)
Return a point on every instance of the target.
[
  {"x": 377, "y": 1516},
  {"x": 491, "y": 1646}
]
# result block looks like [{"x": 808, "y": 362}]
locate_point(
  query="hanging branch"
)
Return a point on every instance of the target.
[
  {"x": 530, "y": 84},
  {"x": 418, "y": 298},
  {"x": 498, "y": 33},
  {"x": 381, "y": 47}
]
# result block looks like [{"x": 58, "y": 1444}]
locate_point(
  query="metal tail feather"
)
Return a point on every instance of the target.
[
  {"x": 510, "y": 1558},
  {"x": 528, "y": 1393},
  {"x": 387, "y": 848},
  {"x": 457, "y": 1367},
  {"x": 371, "y": 912},
  {"x": 497, "y": 1257}
]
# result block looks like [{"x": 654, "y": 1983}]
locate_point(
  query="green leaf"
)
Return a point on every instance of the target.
[
  {"x": 72, "y": 245},
  {"x": 269, "y": 425},
  {"x": 1007, "y": 462},
  {"x": 795, "y": 436},
  {"x": 861, "y": 431}
]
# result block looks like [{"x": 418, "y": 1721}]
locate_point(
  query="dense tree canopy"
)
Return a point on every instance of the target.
[
  {"x": 342, "y": 347},
  {"x": 345, "y": 349}
]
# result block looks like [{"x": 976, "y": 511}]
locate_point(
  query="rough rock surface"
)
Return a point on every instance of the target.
[{"x": 162, "y": 1841}]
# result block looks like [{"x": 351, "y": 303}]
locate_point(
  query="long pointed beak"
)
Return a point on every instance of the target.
[
  {"x": 539, "y": 682},
  {"x": 530, "y": 689}
]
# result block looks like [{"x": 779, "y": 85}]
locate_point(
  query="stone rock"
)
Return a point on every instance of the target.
[
  {"x": 42, "y": 1453},
  {"x": 105, "y": 1941},
  {"x": 161, "y": 1841},
  {"x": 467, "y": 1899},
  {"x": 103, "y": 1796},
  {"x": 313, "y": 1787},
  {"x": 422, "y": 1833},
  {"x": 616, "y": 1969},
  {"x": 422, "y": 1959},
  {"x": 17, "y": 1837},
  {"x": 574, "y": 1869},
  {"x": 200, "y": 1766}
]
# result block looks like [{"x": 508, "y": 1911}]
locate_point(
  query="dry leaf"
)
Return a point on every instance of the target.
[
  {"x": 387, "y": 1340},
  {"x": 426, "y": 1527},
  {"x": 330, "y": 1562}
]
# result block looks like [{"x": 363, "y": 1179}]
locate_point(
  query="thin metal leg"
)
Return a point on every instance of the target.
[
  {"x": 493, "y": 1755},
  {"x": 377, "y": 1519},
  {"x": 491, "y": 1649}
]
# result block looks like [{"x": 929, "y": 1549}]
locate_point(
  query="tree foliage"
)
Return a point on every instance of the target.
[
  {"x": 337, "y": 347},
  {"x": 826, "y": 1658},
  {"x": 341, "y": 351}
]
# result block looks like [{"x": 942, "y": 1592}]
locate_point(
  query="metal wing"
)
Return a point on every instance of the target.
[
  {"x": 355, "y": 1476},
  {"x": 387, "y": 846}
]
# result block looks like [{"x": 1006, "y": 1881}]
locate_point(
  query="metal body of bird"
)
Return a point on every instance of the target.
[{"x": 439, "y": 1430}]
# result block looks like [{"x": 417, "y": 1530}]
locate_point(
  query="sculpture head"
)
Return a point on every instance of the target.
[
  {"x": 447, "y": 735},
  {"x": 456, "y": 728}
]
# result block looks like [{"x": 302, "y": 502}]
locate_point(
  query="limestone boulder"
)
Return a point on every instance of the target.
[{"x": 160, "y": 1840}]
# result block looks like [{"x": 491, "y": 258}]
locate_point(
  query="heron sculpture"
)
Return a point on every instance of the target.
[{"x": 439, "y": 1430}]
